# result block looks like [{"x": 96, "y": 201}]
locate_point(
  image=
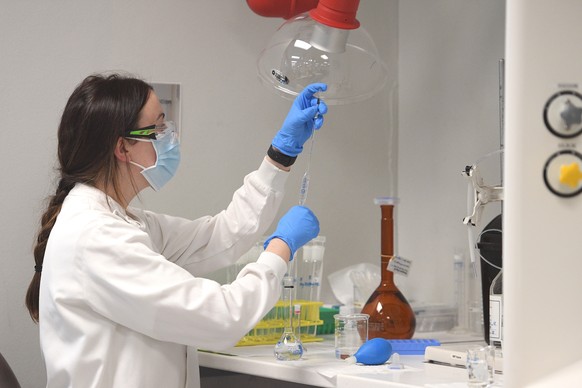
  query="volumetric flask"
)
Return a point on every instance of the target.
[
  {"x": 391, "y": 316},
  {"x": 351, "y": 332}
]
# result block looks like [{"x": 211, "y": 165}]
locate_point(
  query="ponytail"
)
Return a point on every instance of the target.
[
  {"x": 95, "y": 117},
  {"x": 47, "y": 222}
]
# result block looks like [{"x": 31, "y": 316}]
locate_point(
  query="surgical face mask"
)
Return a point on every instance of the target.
[{"x": 167, "y": 147}]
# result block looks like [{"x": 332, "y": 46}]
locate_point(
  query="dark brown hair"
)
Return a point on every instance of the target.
[{"x": 96, "y": 115}]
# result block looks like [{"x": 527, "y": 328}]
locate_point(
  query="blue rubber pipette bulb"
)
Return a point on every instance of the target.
[{"x": 373, "y": 352}]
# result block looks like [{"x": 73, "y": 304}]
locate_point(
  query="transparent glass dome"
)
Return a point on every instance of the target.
[{"x": 303, "y": 51}]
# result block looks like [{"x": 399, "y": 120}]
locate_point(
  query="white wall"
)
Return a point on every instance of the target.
[{"x": 448, "y": 117}]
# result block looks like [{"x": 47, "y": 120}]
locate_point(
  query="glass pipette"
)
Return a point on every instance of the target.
[
  {"x": 289, "y": 346},
  {"x": 305, "y": 180},
  {"x": 306, "y": 177}
]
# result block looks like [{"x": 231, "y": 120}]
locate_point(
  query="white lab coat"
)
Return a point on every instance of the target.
[{"x": 120, "y": 301}]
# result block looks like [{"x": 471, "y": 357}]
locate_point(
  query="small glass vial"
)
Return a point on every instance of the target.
[{"x": 496, "y": 311}]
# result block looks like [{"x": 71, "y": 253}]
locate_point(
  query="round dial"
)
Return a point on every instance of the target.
[
  {"x": 563, "y": 173},
  {"x": 563, "y": 114}
]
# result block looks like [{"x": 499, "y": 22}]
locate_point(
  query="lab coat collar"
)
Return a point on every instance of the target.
[{"x": 103, "y": 200}]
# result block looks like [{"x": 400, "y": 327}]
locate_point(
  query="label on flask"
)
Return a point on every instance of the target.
[
  {"x": 399, "y": 265},
  {"x": 495, "y": 318}
]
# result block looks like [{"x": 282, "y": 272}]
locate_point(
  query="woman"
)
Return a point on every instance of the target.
[{"x": 119, "y": 299}]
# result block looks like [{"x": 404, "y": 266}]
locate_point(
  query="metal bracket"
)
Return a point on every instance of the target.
[{"x": 482, "y": 194}]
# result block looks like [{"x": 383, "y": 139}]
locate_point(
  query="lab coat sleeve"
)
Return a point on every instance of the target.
[
  {"x": 209, "y": 243},
  {"x": 128, "y": 283}
]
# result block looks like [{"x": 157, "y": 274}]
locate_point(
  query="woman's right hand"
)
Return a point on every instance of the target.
[
  {"x": 305, "y": 115},
  {"x": 296, "y": 228}
]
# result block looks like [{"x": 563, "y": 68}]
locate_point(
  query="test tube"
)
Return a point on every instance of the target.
[
  {"x": 297, "y": 312},
  {"x": 311, "y": 270}
]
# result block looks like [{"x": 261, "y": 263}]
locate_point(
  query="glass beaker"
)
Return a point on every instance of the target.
[{"x": 351, "y": 332}]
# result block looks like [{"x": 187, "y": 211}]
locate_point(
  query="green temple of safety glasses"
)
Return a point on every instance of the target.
[{"x": 149, "y": 132}]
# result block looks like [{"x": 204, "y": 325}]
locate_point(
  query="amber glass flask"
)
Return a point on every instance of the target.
[{"x": 391, "y": 316}]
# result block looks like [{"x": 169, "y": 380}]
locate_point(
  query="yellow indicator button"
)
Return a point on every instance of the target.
[{"x": 570, "y": 174}]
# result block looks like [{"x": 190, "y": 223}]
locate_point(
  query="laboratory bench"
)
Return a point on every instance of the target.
[{"x": 256, "y": 366}]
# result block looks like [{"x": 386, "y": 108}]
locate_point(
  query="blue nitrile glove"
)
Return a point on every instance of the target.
[
  {"x": 296, "y": 228},
  {"x": 301, "y": 121}
]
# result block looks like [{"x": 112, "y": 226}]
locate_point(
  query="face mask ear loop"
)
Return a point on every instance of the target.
[{"x": 137, "y": 165}]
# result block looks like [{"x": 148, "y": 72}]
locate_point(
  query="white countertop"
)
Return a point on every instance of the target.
[{"x": 319, "y": 367}]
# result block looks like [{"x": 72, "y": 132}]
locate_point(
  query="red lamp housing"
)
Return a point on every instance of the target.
[
  {"x": 337, "y": 13},
  {"x": 333, "y": 13}
]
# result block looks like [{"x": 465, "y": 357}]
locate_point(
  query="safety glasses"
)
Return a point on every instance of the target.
[{"x": 153, "y": 132}]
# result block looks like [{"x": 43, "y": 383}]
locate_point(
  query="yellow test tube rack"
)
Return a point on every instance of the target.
[{"x": 269, "y": 330}]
